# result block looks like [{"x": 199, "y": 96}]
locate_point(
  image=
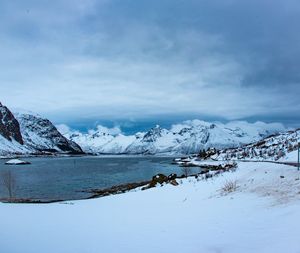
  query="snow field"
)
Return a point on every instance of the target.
[{"x": 262, "y": 215}]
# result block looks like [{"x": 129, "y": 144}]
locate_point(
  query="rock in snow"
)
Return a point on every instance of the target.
[{"x": 16, "y": 162}]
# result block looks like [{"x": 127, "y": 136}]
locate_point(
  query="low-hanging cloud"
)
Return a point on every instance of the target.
[{"x": 66, "y": 130}]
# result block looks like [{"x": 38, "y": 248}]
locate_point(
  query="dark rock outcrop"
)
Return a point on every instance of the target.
[
  {"x": 160, "y": 179},
  {"x": 9, "y": 126}
]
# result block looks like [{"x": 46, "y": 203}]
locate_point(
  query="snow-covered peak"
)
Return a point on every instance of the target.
[
  {"x": 183, "y": 138},
  {"x": 41, "y": 135},
  {"x": 25, "y": 132},
  {"x": 19, "y": 111},
  {"x": 154, "y": 133}
]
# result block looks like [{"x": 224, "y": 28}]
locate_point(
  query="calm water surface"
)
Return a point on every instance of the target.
[{"x": 65, "y": 177}]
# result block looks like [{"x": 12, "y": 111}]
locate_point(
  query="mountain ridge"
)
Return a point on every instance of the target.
[
  {"x": 27, "y": 134},
  {"x": 272, "y": 148},
  {"x": 184, "y": 138},
  {"x": 30, "y": 133}
]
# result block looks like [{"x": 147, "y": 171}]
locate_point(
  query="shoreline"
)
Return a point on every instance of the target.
[
  {"x": 57, "y": 155},
  {"x": 159, "y": 179},
  {"x": 54, "y": 155}
]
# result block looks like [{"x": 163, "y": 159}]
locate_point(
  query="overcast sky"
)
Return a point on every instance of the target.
[{"x": 139, "y": 61}]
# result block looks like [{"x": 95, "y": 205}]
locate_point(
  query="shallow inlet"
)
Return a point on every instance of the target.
[{"x": 65, "y": 178}]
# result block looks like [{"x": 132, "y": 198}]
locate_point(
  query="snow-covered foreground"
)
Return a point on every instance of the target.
[{"x": 262, "y": 215}]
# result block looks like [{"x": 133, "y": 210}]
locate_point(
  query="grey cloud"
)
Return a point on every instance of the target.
[{"x": 120, "y": 58}]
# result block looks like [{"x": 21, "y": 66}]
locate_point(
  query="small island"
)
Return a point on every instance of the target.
[{"x": 16, "y": 162}]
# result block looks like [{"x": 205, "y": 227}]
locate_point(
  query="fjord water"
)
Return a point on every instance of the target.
[{"x": 64, "y": 178}]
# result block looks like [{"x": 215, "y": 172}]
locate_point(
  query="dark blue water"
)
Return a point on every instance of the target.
[{"x": 64, "y": 178}]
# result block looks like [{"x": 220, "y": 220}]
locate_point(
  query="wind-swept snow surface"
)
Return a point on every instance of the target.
[{"x": 262, "y": 215}]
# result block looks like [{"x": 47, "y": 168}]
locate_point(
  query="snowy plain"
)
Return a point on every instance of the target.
[{"x": 262, "y": 215}]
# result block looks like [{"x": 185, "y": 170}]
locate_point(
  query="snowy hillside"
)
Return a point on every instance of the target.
[
  {"x": 8, "y": 147},
  {"x": 277, "y": 147},
  {"x": 101, "y": 140},
  {"x": 11, "y": 140},
  {"x": 28, "y": 133},
  {"x": 185, "y": 138},
  {"x": 40, "y": 134}
]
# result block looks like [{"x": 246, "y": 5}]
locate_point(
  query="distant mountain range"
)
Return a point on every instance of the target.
[
  {"x": 29, "y": 133},
  {"x": 185, "y": 138}
]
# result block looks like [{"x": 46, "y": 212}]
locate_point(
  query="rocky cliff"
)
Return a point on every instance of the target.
[
  {"x": 9, "y": 126},
  {"x": 25, "y": 133}
]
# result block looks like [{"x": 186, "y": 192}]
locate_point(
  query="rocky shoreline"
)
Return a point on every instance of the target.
[
  {"x": 161, "y": 179},
  {"x": 157, "y": 180}
]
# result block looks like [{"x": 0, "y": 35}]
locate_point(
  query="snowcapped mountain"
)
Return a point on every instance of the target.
[
  {"x": 11, "y": 140},
  {"x": 30, "y": 134},
  {"x": 27, "y": 133},
  {"x": 185, "y": 138},
  {"x": 41, "y": 135},
  {"x": 274, "y": 148},
  {"x": 100, "y": 141},
  {"x": 9, "y": 126}
]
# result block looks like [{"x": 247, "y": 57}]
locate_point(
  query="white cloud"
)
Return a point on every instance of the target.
[
  {"x": 102, "y": 129},
  {"x": 66, "y": 130},
  {"x": 63, "y": 129}
]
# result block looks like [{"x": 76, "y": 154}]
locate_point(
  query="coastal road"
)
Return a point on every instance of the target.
[{"x": 294, "y": 164}]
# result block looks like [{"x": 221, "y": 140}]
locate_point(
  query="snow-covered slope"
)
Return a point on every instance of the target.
[
  {"x": 8, "y": 147},
  {"x": 188, "y": 137},
  {"x": 11, "y": 140},
  {"x": 281, "y": 147},
  {"x": 28, "y": 133},
  {"x": 40, "y": 134},
  {"x": 99, "y": 142}
]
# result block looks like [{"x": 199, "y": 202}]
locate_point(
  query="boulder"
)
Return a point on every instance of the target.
[{"x": 174, "y": 182}]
